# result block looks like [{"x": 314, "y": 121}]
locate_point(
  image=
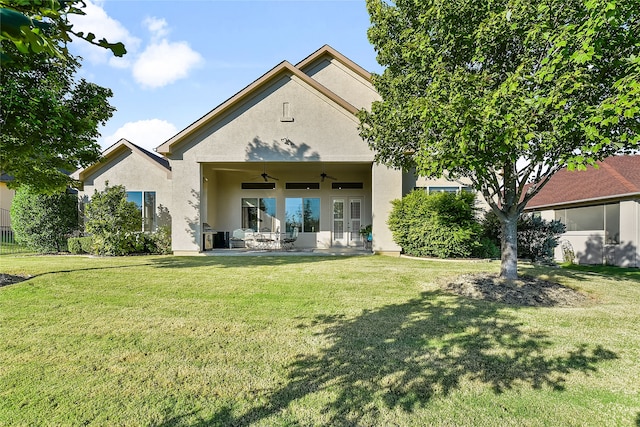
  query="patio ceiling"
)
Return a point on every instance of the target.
[{"x": 299, "y": 171}]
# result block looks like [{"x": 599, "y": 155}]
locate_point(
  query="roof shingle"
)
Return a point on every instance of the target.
[{"x": 616, "y": 176}]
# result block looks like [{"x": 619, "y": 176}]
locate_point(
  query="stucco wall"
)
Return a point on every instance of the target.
[
  {"x": 136, "y": 174},
  {"x": 628, "y": 254},
  {"x": 255, "y": 131},
  {"x": 343, "y": 81},
  {"x": 589, "y": 246},
  {"x": 387, "y": 186},
  {"x": 6, "y": 196}
]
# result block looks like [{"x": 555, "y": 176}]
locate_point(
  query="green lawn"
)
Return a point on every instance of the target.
[{"x": 308, "y": 341}]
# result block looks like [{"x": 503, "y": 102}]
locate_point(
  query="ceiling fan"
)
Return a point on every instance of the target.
[
  {"x": 266, "y": 176},
  {"x": 324, "y": 175}
]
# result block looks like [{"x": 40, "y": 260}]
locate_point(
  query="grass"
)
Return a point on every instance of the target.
[
  {"x": 308, "y": 341},
  {"x": 13, "y": 248}
]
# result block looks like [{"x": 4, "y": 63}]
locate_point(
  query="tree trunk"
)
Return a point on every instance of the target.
[{"x": 509, "y": 243}]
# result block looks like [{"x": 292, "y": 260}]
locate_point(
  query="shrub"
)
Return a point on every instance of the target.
[
  {"x": 537, "y": 238},
  {"x": 487, "y": 249},
  {"x": 43, "y": 222},
  {"x": 114, "y": 222},
  {"x": 162, "y": 240},
  {"x": 74, "y": 246},
  {"x": 440, "y": 224},
  {"x": 80, "y": 245}
]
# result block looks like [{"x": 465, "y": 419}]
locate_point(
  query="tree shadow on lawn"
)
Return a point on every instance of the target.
[
  {"x": 240, "y": 261},
  {"x": 401, "y": 356},
  {"x": 582, "y": 272}
]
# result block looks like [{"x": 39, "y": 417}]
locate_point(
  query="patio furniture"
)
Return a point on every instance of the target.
[
  {"x": 287, "y": 242},
  {"x": 242, "y": 238}
]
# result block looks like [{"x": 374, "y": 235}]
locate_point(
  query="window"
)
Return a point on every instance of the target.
[
  {"x": 302, "y": 186},
  {"x": 258, "y": 185},
  {"x": 593, "y": 218},
  {"x": 303, "y": 213},
  {"x": 146, "y": 203},
  {"x": 446, "y": 189},
  {"x": 259, "y": 214},
  {"x": 443, "y": 189},
  {"x": 583, "y": 219},
  {"x": 346, "y": 185}
]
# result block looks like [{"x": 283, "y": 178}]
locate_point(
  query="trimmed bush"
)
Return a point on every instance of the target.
[
  {"x": 42, "y": 222},
  {"x": 441, "y": 224},
  {"x": 162, "y": 240},
  {"x": 80, "y": 245},
  {"x": 113, "y": 222},
  {"x": 74, "y": 246},
  {"x": 537, "y": 238}
]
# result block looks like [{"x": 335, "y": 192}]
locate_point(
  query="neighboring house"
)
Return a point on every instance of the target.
[
  {"x": 283, "y": 153},
  {"x": 146, "y": 177},
  {"x": 6, "y": 197},
  {"x": 600, "y": 208}
]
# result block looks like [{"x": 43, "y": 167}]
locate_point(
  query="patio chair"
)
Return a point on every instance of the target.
[
  {"x": 287, "y": 242},
  {"x": 237, "y": 239}
]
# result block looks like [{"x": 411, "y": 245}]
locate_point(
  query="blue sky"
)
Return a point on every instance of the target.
[{"x": 186, "y": 57}]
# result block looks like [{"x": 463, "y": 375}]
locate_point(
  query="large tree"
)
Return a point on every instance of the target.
[
  {"x": 42, "y": 26},
  {"x": 48, "y": 120},
  {"x": 504, "y": 92}
]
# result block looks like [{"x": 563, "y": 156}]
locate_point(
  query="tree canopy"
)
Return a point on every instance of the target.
[
  {"x": 48, "y": 121},
  {"x": 42, "y": 26},
  {"x": 504, "y": 92}
]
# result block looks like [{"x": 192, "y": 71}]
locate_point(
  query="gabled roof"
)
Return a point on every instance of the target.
[
  {"x": 118, "y": 148},
  {"x": 284, "y": 68},
  {"x": 327, "y": 51},
  {"x": 616, "y": 177}
]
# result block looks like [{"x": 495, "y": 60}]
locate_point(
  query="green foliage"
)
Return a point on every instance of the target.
[
  {"x": 80, "y": 245},
  {"x": 440, "y": 224},
  {"x": 470, "y": 88},
  {"x": 161, "y": 241},
  {"x": 537, "y": 238},
  {"x": 42, "y": 27},
  {"x": 43, "y": 222},
  {"x": 49, "y": 122},
  {"x": 487, "y": 249},
  {"x": 113, "y": 222}
]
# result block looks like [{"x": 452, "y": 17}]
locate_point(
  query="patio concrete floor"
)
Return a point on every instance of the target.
[{"x": 295, "y": 252}]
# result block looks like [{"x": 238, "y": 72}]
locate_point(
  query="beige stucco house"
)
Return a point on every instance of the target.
[
  {"x": 146, "y": 177},
  {"x": 282, "y": 153},
  {"x": 6, "y": 197}
]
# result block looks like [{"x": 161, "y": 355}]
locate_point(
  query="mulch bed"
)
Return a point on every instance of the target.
[
  {"x": 526, "y": 291},
  {"x": 8, "y": 279}
]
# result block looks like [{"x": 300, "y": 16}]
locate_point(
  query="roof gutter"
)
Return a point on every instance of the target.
[{"x": 583, "y": 201}]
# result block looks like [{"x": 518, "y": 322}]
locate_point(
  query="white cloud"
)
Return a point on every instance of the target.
[
  {"x": 157, "y": 26},
  {"x": 97, "y": 21},
  {"x": 164, "y": 62},
  {"x": 160, "y": 63},
  {"x": 147, "y": 134}
]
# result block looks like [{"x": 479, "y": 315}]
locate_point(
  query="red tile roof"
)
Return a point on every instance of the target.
[{"x": 617, "y": 176}]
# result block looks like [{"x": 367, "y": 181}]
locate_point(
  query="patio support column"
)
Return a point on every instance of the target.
[
  {"x": 386, "y": 185},
  {"x": 186, "y": 236}
]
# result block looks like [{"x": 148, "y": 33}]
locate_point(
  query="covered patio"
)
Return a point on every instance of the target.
[{"x": 328, "y": 203}]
